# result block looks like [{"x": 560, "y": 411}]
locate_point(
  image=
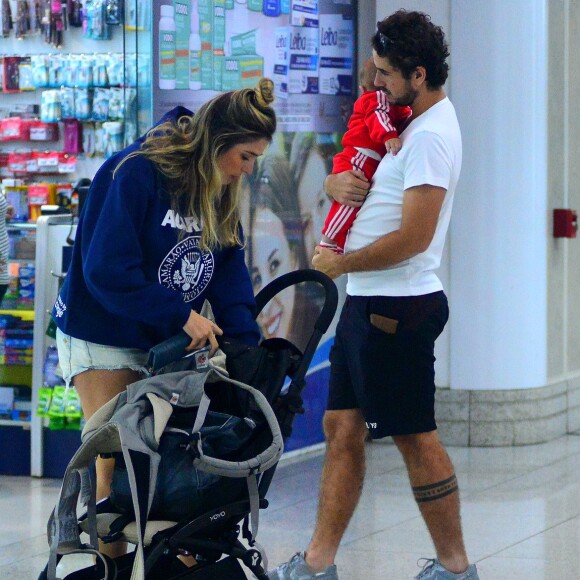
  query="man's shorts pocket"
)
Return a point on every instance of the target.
[{"x": 388, "y": 325}]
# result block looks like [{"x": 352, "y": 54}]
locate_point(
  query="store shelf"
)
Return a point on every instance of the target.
[
  {"x": 15, "y": 374},
  {"x": 24, "y": 314},
  {"x": 10, "y": 423},
  {"x": 21, "y": 226}
]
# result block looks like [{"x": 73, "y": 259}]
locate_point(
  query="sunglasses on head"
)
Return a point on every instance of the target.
[{"x": 384, "y": 41}]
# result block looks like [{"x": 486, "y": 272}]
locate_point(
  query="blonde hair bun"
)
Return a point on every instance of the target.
[{"x": 265, "y": 91}]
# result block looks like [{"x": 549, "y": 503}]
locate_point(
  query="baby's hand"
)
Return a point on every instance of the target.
[{"x": 393, "y": 145}]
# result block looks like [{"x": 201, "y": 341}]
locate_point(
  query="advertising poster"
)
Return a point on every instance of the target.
[{"x": 307, "y": 47}]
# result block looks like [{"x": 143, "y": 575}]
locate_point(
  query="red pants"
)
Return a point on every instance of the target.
[{"x": 340, "y": 217}]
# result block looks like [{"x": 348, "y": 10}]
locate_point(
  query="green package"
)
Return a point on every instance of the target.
[
  {"x": 44, "y": 399},
  {"x": 57, "y": 423},
  {"x": 72, "y": 405},
  {"x": 72, "y": 424},
  {"x": 51, "y": 328},
  {"x": 56, "y": 409}
]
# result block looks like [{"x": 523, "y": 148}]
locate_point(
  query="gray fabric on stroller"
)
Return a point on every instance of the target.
[{"x": 132, "y": 423}]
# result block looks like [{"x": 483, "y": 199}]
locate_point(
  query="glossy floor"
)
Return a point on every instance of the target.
[{"x": 521, "y": 515}]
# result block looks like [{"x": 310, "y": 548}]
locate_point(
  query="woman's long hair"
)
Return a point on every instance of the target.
[{"x": 187, "y": 153}]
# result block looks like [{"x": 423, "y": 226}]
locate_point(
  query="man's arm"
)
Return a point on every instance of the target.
[{"x": 421, "y": 207}]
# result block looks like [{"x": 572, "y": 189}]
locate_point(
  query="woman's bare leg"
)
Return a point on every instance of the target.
[{"x": 95, "y": 388}]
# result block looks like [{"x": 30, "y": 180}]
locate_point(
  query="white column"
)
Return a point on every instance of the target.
[{"x": 498, "y": 237}]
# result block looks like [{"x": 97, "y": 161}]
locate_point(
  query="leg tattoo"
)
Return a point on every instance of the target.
[{"x": 436, "y": 491}]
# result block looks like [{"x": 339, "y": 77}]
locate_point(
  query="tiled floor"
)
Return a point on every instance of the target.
[{"x": 521, "y": 515}]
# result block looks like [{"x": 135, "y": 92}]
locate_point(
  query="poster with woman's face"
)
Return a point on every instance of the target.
[
  {"x": 307, "y": 47},
  {"x": 285, "y": 210}
]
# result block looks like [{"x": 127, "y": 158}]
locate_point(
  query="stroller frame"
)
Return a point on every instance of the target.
[{"x": 215, "y": 534}]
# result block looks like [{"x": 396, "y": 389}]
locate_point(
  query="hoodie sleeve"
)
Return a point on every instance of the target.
[
  {"x": 113, "y": 258},
  {"x": 232, "y": 298}
]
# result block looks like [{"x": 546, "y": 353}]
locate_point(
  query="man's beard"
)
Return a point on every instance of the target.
[{"x": 405, "y": 100}]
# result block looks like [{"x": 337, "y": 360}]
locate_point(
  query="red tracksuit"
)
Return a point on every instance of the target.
[{"x": 373, "y": 122}]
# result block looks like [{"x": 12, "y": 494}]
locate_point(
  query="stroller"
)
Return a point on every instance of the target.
[{"x": 212, "y": 537}]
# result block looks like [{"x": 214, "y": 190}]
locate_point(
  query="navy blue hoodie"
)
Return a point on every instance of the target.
[{"x": 132, "y": 282}]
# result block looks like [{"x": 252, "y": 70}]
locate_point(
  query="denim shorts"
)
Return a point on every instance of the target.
[{"x": 76, "y": 356}]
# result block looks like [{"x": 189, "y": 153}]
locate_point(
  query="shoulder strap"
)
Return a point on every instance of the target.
[{"x": 254, "y": 465}]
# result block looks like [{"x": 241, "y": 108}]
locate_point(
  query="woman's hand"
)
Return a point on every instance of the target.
[
  {"x": 201, "y": 330},
  {"x": 348, "y": 188}
]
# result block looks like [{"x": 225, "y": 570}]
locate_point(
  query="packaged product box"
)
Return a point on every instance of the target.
[
  {"x": 303, "y": 60},
  {"x": 205, "y": 12},
  {"x": 182, "y": 11},
  {"x": 304, "y": 13},
  {"x": 218, "y": 66},
  {"x": 281, "y": 61},
  {"x": 296, "y": 60},
  {"x": 244, "y": 43},
  {"x": 336, "y": 54},
  {"x": 218, "y": 30},
  {"x": 242, "y": 71},
  {"x": 218, "y": 42},
  {"x": 26, "y": 271}
]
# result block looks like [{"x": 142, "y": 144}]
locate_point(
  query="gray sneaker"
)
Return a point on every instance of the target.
[
  {"x": 297, "y": 569},
  {"x": 433, "y": 570}
]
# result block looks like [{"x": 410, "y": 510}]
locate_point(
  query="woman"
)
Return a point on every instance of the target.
[
  {"x": 276, "y": 247},
  {"x": 159, "y": 234},
  {"x": 311, "y": 160}
]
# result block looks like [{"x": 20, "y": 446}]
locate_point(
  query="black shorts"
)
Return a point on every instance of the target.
[{"x": 382, "y": 361}]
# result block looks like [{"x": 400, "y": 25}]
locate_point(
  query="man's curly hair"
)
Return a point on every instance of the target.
[{"x": 409, "y": 40}]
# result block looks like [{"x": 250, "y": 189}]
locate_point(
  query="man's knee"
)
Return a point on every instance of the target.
[{"x": 345, "y": 428}]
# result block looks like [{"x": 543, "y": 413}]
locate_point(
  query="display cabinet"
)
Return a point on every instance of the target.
[{"x": 73, "y": 90}]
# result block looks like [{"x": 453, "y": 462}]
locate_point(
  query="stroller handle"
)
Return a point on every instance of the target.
[
  {"x": 174, "y": 348},
  {"x": 307, "y": 275}
]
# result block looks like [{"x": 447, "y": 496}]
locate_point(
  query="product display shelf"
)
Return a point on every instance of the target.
[
  {"x": 24, "y": 314},
  {"x": 10, "y": 423},
  {"x": 32, "y": 448},
  {"x": 51, "y": 257}
]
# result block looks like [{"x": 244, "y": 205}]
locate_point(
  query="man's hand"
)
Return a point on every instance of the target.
[
  {"x": 328, "y": 262},
  {"x": 347, "y": 188}
]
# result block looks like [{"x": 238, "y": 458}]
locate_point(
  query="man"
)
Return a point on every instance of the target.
[{"x": 382, "y": 363}]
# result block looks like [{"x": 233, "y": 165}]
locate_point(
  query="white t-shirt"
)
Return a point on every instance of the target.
[{"x": 430, "y": 155}]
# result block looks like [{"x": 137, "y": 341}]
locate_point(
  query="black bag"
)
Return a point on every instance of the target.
[
  {"x": 264, "y": 367},
  {"x": 182, "y": 491}
]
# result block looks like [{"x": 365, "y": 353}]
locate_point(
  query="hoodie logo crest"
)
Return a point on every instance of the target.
[{"x": 187, "y": 269}]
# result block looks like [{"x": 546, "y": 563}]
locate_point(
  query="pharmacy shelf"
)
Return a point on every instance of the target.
[
  {"x": 24, "y": 314},
  {"x": 10, "y": 423},
  {"x": 16, "y": 375},
  {"x": 21, "y": 226}
]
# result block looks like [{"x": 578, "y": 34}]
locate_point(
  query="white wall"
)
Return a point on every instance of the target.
[{"x": 498, "y": 240}]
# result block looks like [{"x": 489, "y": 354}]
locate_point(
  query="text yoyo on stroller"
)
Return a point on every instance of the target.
[{"x": 195, "y": 452}]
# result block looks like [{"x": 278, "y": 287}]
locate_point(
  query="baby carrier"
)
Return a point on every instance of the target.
[{"x": 196, "y": 447}]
